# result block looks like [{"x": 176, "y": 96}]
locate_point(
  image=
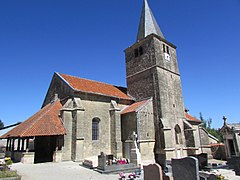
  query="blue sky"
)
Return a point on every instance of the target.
[{"x": 88, "y": 38}]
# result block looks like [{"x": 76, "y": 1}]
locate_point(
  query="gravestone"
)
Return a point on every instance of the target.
[
  {"x": 185, "y": 168},
  {"x": 233, "y": 163},
  {"x": 153, "y": 172},
  {"x": 202, "y": 160},
  {"x": 237, "y": 165},
  {"x": 102, "y": 158}
]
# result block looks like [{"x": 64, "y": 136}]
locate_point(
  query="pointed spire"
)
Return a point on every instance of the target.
[{"x": 148, "y": 24}]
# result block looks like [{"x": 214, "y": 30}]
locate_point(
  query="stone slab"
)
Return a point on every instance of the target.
[
  {"x": 153, "y": 172},
  {"x": 185, "y": 168}
]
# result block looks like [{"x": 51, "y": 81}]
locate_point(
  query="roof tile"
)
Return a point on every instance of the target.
[
  {"x": 85, "y": 85},
  {"x": 45, "y": 122},
  {"x": 191, "y": 118},
  {"x": 134, "y": 107}
]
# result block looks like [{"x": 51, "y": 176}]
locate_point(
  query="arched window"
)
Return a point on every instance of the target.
[
  {"x": 178, "y": 135},
  {"x": 95, "y": 128}
]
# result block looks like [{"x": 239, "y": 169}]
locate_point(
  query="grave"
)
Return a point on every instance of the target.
[
  {"x": 234, "y": 163},
  {"x": 107, "y": 164},
  {"x": 202, "y": 160},
  {"x": 207, "y": 176},
  {"x": 185, "y": 168},
  {"x": 153, "y": 172}
]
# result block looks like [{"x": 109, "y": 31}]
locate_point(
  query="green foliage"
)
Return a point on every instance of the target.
[
  {"x": 8, "y": 162},
  {"x": 207, "y": 125},
  {"x": 1, "y": 124},
  {"x": 8, "y": 173}
]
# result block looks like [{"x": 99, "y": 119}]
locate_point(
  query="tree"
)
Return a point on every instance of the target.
[
  {"x": 207, "y": 125},
  {"x": 1, "y": 124}
]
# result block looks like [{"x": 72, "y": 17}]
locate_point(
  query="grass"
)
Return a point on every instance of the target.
[{"x": 8, "y": 173}]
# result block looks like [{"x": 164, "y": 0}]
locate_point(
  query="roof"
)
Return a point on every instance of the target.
[
  {"x": 217, "y": 144},
  {"x": 148, "y": 24},
  {"x": 45, "y": 122},
  {"x": 89, "y": 86},
  {"x": 213, "y": 137},
  {"x": 134, "y": 107},
  {"x": 191, "y": 118},
  {"x": 235, "y": 126}
]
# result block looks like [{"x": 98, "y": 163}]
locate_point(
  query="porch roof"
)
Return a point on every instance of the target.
[
  {"x": 191, "y": 118},
  {"x": 134, "y": 107},
  {"x": 45, "y": 122}
]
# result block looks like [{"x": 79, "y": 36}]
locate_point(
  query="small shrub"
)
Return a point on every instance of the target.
[
  {"x": 9, "y": 162},
  {"x": 5, "y": 174}
]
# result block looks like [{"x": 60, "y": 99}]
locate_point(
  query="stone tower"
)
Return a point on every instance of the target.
[{"x": 152, "y": 71}]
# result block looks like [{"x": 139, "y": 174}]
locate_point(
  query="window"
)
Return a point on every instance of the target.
[
  {"x": 95, "y": 128},
  {"x": 178, "y": 134},
  {"x": 168, "y": 50},
  {"x": 164, "y": 48},
  {"x": 138, "y": 51}
]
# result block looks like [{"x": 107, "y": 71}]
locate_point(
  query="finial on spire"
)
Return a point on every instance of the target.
[{"x": 148, "y": 24}]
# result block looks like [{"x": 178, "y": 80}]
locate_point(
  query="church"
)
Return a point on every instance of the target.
[{"x": 81, "y": 118}]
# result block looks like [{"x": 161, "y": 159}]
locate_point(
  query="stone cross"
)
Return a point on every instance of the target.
[{"x": 134, "y": 138}]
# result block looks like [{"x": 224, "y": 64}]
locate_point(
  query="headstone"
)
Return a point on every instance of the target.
[
  {"x": 237, "y": 165},
  {"x": 185, "y": 168},
  {"x": 202, "y": 160},
  {"x": 153, "y": 172},
  {"x": 233, "y": 163},
  {"x": 135, "y": 156},
  {"x": 102, "y": 158}
]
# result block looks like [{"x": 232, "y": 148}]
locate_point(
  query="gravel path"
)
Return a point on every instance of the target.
[{"x": 59, "y": 171}]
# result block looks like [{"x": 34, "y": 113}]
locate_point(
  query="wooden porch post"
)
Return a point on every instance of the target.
[
  {"x": 27, "y": 145},
  {"x": 22, "y": 148},
  {"x": 13, "y": 144},
  {"x": 18, "y": 147},
  {"x": 7, "y": 148}
]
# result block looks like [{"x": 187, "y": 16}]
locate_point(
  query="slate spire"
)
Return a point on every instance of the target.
[{"x": 148, "y": 24}]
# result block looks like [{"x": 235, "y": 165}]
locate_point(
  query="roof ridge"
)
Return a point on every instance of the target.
[
  {"x": 146, "y": 101},
  {"x": 91, "y": 80}
]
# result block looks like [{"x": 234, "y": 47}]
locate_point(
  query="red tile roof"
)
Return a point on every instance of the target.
[
  {"x": 134, "y": 107},
  {"x": 191, "y": 118},
  {"x": 45, "y": 122},
  {"x": 217, "y": 144},
  {"x": 85, "y": 85}
]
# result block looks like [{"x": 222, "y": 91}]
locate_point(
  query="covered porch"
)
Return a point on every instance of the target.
[{"x": 38, "y": 139}]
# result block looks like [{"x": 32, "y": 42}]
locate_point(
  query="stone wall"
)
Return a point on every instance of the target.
[
  {"x": 59, "y": 87},
  {"x": 78, "y": 114},
  {"x": 152, "y": 75}
]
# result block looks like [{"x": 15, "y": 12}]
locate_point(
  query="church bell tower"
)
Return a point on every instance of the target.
[{"x": 152, "y": 72}]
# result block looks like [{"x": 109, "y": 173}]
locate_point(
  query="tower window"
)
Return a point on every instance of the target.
[
  {"x": 95, "y": 128},
  {"x": 167, "y": 49},
  {"x": 164, "y": 48},
  {"x": 138, "y": 51}
]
